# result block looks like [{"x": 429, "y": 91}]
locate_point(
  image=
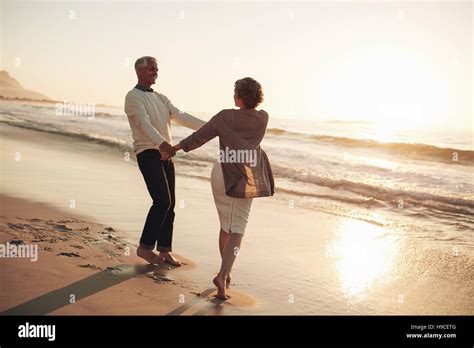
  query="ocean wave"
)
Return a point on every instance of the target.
[
  {"x": 366, "y": 202},
  {"x": 371, "y": 196},
  {"x": 412, "y": 150},
  {"x": 381, "y": 194},
  {"x": 52, "y": 128}
]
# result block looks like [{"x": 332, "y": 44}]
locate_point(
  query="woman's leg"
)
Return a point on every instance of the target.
[
  {"x": 230, "y": 252},
  {"x": 223, "y": 239}
]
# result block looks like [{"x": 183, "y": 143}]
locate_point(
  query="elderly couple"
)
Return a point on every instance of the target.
[{"x": 234, "y": 183}]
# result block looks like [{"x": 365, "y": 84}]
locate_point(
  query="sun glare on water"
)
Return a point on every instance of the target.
[{"x": 363, "y": 256}]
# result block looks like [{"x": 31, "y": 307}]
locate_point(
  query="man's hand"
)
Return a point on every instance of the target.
[
  {"x": 168, "y": 149},
  {"x": 164, "y": 156}
]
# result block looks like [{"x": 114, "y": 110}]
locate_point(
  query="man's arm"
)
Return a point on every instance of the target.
[{"x": 182, "y": 118}]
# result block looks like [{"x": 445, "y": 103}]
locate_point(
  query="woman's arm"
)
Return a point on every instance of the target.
[{"x": 206, "y": 133}]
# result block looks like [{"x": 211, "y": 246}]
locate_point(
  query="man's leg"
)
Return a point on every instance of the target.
[
  {"x": 156, "y": 181},
  {"x": 165, "y": 237}
]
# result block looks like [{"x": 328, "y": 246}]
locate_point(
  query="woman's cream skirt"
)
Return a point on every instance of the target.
[{"x": 233, "y": 212}]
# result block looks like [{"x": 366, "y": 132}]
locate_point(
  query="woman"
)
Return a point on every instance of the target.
[{"x": 242, "y": 173}]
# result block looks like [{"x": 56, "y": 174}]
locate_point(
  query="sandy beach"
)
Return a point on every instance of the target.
[{"x": 84, "y": 205}]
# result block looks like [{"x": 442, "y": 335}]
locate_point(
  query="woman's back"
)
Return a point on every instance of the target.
[{"x": 241, "y": 129}]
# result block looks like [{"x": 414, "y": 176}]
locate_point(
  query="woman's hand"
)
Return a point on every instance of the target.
[{"x": 166, "y": 156}]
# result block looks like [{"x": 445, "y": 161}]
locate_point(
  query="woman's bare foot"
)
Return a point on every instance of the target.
[
  {"x": 219, "y": 283},
  {"x": 167, "y": 257},
  {"x": 227, "y": 281},
  {"x": 149, "y": 256}
]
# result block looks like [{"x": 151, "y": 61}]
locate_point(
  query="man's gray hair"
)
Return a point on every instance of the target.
[{"x": 143, "y": 61}]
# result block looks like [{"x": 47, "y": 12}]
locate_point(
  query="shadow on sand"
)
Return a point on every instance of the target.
[{"x": 83, "y": 288}]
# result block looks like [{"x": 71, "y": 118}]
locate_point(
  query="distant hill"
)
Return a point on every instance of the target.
[{"x": 12, "y": 89}]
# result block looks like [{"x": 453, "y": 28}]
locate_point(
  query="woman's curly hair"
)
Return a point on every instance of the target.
[{"x": 250, "y": 91}]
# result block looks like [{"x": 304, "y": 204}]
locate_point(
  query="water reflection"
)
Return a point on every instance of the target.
[{"x": 364, "y": 256}]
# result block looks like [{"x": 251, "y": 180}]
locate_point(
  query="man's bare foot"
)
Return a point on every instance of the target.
[
  {"x": 219, "y": 283},
  {"x": 149, "y": 256},
  {"x": 167, "y": 257}
]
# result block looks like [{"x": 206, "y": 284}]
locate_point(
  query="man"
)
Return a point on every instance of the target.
[{"x": 149, "y": 114}]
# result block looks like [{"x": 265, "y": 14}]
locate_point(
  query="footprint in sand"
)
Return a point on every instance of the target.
[
  {"x": 205, "y": 303},
  {"x": 160, "y": 279},
  {"x": 237, "y": 299},
  {"x": 15, "y": 242},
  {"x": 17, "y": 227},
  {"x": 60, "y": 227},
  {"x": 69, "y": 254},
  {"x": 76, "y": 246},
  {"x": 114, "y": 269},
  {"x": 91, "y": 266}
]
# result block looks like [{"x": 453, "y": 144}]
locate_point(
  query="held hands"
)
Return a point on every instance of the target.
[{"x": 167, "y": 151}]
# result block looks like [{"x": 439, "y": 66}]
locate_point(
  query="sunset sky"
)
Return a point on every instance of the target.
[{"x": 397, "y": 63}]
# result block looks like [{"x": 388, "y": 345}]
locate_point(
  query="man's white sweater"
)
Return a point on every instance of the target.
[{"x": 150, "y": 115}]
